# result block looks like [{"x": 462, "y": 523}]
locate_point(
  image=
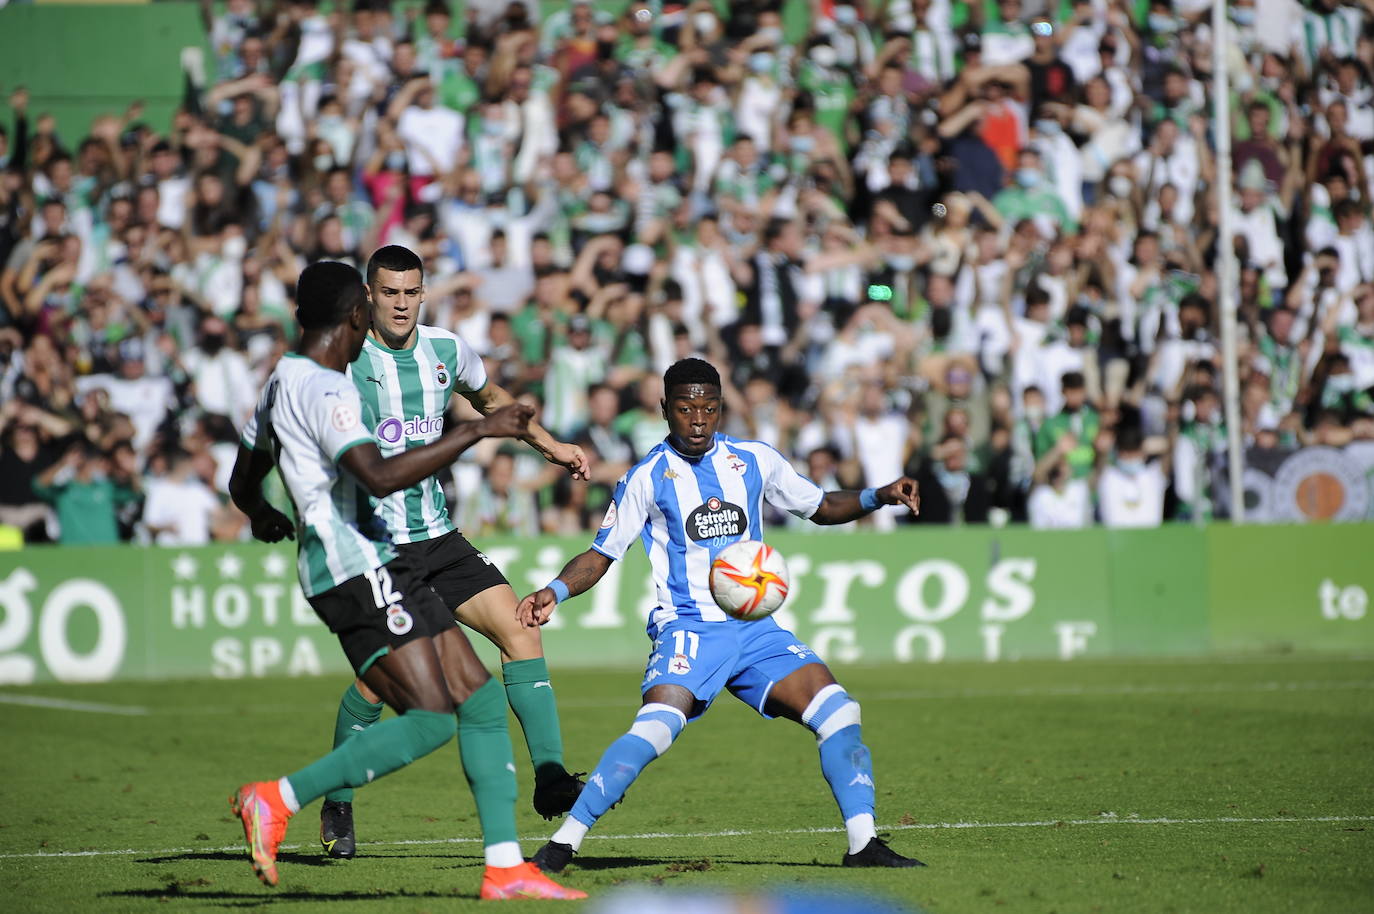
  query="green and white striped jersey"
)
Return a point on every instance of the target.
[
  {"x": 307, "y": 417},
  {"x": 408, "y": 392}
]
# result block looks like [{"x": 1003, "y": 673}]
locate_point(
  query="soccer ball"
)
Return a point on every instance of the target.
[{"x": 749, "y": 580}]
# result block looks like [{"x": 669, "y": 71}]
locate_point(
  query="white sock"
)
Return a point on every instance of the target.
[
  {"x": 861, "y": 831},
  {"x": 571, "y": 832},
  {"x": 288, "y": 796},
  {"x": 504, "y": 854}
]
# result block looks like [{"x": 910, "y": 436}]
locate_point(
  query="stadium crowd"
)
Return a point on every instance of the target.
[{"x": 970, "y": 241}]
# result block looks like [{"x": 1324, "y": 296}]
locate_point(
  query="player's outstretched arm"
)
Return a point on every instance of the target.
[
  {"x": 383, "y": 475},
  {"x": 578, "y": 576},
  {"x": 844, "y": 506},
  {"x": 245, "y": 488},
  {"x": 493, "y": 396}
]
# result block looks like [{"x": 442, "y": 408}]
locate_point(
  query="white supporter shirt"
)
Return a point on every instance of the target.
[
  {"x": 1131, "y": 499},
  {"x": 186, "y": 507},
  {"x": 433, "y": 138},
  {"x": 1051, "y": 509}
]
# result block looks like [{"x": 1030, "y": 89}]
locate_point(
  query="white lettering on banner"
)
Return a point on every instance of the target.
[
  {"x": 188, "y": 607},
  {"x": 16, "y": 669},
  {"x": 838, "y": 577},
  {"x": 263, "y": 655},
  {"x": 230, "y": 606},
  {"x": 1342, "y": 602},
  {"x": 305, "y": 660},
  {"x": 836, "y": 644},
  {"x": 935, "y": 643},
  {"x": 268, "y": 595},
  {"x": 1010, "y": 581},
  {"x": 798, "y": 566},
  {"x": 992, "y": 641},
  {"x": 1073, "y": 637},
  {"x": 233, "y": 658},
  {"x": 953, "y": 590},
  {"x": 605, "y": 601},
  {"x": 65, "y": 664},
  {"x": 111, "y": 635},
  {"x": 226, "y": 659},
  {"x": 302, "y": 613}
]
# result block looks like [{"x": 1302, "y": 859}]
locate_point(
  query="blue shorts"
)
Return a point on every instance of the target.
[{"x": 745, "y": 657}]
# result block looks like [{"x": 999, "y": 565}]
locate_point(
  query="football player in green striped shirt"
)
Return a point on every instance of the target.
[
  {"x": 405, "y": 374},
  {"x": 397, "y": 634}
]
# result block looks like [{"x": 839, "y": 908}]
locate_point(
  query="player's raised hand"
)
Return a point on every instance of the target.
[
  {"x": 571, "y": 458},
  {"x": 536, "y": 608},
  {"x": 271, "y": 526},
  {"x": 903, "y": 491},
  {"x": 510, "y": 421}
]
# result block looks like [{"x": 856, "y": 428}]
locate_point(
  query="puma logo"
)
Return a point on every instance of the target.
[
  {"x": 543, "y": 684},
  {"x": 374, "y": 380}
]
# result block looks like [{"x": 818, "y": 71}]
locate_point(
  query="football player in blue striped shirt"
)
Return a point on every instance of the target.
[{"x": 690, "y": 497}]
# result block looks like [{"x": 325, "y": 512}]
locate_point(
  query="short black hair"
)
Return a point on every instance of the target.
[
  {"x": 1072, "y": 380},
  {"x": 327, "y": 293},
  {"x": 393, "y": 257},
  {"x": 1129, "y": 437},
  {"x": 689, "y": 371}
]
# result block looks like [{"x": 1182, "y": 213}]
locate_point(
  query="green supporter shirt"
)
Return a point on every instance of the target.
[
  {"x": 1017, "y": 203},
  {"x": 1083, "y": 425},
  {"x": 86, "y": 510},
  {"x": 458, "y": 90},
  {"x": 833, "y": 93}
]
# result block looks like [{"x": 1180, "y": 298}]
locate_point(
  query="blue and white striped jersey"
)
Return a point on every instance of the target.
[{"x": 686, "y": 509}]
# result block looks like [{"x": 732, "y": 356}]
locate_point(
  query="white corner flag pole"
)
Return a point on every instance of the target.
[{"x": 1225, "y": 261}]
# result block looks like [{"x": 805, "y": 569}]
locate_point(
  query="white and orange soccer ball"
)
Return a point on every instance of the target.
[{"x": 749, "y": 580}]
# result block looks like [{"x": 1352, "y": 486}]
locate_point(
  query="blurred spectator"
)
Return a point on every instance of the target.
[
  {"x": 1130, "y": 492},
  {"x": 181, "y": 507},
  {"x": 950, "y": 492},
  {"x": 86, "y": 499},
  {"x": 499, "y": 507}
]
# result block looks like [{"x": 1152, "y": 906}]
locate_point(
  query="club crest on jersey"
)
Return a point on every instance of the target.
[
  {"x": 609, "y": 520},
  {"x": 679, "y": 665},
  {"x": 716, "y": 518},
  {"x": 735, "y": 463},
  {"x": 441, "y": 375}
]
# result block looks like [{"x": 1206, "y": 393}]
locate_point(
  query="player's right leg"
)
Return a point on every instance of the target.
[
  {"x": 688, "y": 667},
  {"x": 412, "y": 680},
  {"x": 529, "y": 690},
  {"x": 488, "y": 763},
  {"x": 390, "y": 646}
]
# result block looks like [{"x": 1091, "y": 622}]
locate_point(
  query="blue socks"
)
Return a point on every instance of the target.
[
  {"x": 654, "y": 729},
  {"x": 834, "y": 717}
]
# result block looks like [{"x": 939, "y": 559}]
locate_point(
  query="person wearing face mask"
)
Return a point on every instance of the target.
[
  {"x": 1200, "y": 446},
  {"x": 1059, "y": 502},
  {"x": 1030, "y": 196},
  {"x": 951, "y": 493},
  {"x": 224, "y": 384},
  {"x": 1130, "y": 492},
  {"x": 1329, "y": 29}
]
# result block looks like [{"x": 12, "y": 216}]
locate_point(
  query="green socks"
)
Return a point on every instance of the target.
[
  {"x": 531, "y": 697},
  {"x": 484, "y": 744},
  {"x": 356, "y": 714},
  {"x": 377, "y": 751}
]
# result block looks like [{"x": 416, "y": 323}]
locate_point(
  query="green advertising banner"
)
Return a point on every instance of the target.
[{"x": 914, "y": 596}]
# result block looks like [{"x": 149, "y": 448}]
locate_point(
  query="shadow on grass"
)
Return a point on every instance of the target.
[
  {"x": 255, "y": 899},
  {"x": 287, "y": 857},
  {"x": 614, "y": 863}
]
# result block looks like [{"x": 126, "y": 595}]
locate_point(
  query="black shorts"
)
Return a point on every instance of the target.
[
  {"x": 373, "y": 614},
  {"x": 454, "y": 567}
]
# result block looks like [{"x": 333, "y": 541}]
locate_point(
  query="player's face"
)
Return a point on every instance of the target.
[
  {"x": 693, "y": 413},
  {"x": 396, "y": 300}
]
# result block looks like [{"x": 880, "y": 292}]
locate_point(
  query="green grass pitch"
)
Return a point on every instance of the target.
[{"x": 1206, "y": 786}]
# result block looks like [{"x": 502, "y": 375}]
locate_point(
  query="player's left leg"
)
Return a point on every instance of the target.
[
  {"x": 784, "y": 678},
  {"x": 529, "y": 690}
]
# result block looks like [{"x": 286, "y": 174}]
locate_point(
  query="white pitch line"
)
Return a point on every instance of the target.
[
  {"x": 62, "y": 704},
  {"x": 1109, "y": 819}
]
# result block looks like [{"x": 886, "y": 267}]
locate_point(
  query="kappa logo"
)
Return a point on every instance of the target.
[
  {"x": 600, "y": 784},
  {"x": 669, "y": 474},
  {"x": 863, "y": 779},
  {"x": 679, "y": 665},
  {"x": 652, "y": 675},
  {"x": 655, "y": 658}
]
